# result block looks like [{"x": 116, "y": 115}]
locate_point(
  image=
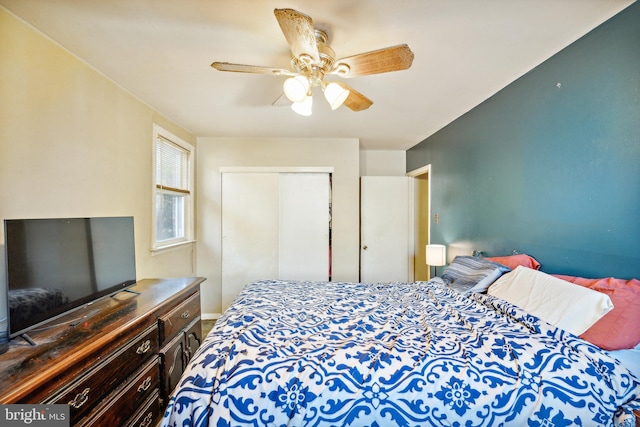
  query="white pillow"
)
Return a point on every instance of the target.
[{"x": 566, "y": 305}]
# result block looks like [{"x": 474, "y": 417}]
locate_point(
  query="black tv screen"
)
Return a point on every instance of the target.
[{"x": 60, "y": 264}]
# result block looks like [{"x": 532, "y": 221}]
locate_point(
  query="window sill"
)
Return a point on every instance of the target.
[{"x": 172, "y": 247}]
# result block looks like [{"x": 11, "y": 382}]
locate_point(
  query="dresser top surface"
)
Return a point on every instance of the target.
[{"x": 60, "y": 345}]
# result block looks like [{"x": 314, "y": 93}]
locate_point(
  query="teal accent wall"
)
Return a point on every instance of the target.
[{"x": 550, "y": 165}]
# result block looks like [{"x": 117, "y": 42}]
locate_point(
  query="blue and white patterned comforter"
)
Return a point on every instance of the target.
[{"x": 420, "y": 354}]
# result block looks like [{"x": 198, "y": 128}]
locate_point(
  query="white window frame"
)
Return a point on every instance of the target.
[{"x": 160, "y": 133}]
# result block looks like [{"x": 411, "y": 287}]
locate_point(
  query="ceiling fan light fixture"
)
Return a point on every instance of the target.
[
  {"x": 296, "y": 88},
  {"x": 312, "y": 59},
  {"x": 335, "y": 95},
  {"x": 303, "y": 107}
]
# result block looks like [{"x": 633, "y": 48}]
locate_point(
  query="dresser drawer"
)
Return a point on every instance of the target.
[
  {"x": 86, "y": 393},
  {"x": 149, "y": 414},
  {"x": 178, "y": 318},
  {"x": 121, "y": 404}
]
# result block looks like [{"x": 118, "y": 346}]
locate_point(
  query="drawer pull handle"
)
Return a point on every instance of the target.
[
  {"x": 147, "y": 420},
  {"x": 146, "y": 346},
  {"x": 145, "y": 385},
  {"x": 80, "y": 399},
  {"x": 185, "y": 315}
]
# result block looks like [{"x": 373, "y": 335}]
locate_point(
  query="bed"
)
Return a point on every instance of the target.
[{"x": 410, "y": 354}]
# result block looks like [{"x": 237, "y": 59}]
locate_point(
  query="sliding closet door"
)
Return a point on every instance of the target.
[
  {"x": 275, "y": 225},
  {"x": 250, "y": 211},
  {"x": 304, "y": 226}
]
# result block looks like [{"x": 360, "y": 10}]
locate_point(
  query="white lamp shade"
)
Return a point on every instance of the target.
[
  {"x": 436, "y": 255},
  {"x": 335, "y": 95},
  {"x": 304, "y": 107},
  {"x": 296, "y": 88}
]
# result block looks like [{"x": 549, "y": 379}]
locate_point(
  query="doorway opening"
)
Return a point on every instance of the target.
[{"x": 422, "y": 215}]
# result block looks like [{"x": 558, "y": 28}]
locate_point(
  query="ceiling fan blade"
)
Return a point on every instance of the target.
[
  {"x": 253, "y": 69},
  {"x": 394, "y": 58},
  {"x": 299, "y": 32},
  {"x": 356, "y": 101}
]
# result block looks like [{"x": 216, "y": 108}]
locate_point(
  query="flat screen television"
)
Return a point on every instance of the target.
[{"x": 57, "y": 265}]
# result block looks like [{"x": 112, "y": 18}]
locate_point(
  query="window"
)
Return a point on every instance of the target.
[{"x": 173, "y": 190}]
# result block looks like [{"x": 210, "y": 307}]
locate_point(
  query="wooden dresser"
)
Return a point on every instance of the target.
[{"x": 118, "y": 365}]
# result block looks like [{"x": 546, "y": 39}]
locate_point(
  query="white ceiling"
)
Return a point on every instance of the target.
[{"x": 465, "y": 51}]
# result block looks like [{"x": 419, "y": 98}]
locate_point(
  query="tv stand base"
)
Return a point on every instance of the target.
[{"x": 28, "y": 339}]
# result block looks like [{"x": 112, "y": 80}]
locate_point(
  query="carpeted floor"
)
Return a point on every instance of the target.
[{"x": 206, "y": 326}]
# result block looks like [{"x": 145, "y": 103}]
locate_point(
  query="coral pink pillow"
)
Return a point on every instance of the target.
[
  {"x": 620, "y": 328},
  {"x": 512, "y": 261}
]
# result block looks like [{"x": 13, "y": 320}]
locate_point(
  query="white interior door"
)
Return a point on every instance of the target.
[
  {"x": 304, "y": 226},
  {"x": 385, "y": 227},
  {"x": 250, "y": 212}
]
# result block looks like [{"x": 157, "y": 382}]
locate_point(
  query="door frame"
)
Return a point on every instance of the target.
[
  {"x": 276, "y": 169},
  {"x": 420, "y": 172}
]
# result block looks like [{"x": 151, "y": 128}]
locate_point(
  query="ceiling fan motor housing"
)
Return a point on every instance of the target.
[{"x": 315, "y": 71}]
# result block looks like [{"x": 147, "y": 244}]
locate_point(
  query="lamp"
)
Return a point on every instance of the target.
[
  {"x": 296, "y": 88},
  {"x": 335, "y": 95},
  {"x": 436, "y": 255},
  {"x": 303, "y": 107}
]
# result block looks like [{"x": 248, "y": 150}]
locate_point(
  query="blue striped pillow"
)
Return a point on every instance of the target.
[{"x": 472, "y": 274}]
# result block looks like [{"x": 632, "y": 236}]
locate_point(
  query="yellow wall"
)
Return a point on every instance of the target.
[{"x": 73, "y": 144}]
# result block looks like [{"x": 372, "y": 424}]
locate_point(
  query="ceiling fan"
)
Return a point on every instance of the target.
[{"x": 312, "y": 60}]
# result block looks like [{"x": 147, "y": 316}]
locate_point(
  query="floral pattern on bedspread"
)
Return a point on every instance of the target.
[{"x": 420, "y": 354}]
